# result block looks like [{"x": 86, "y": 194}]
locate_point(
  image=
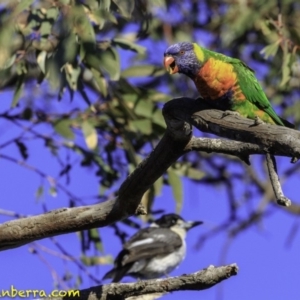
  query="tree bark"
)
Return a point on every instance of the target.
[
  {"x": 200, "y": 280},
  {"x": 179, "y": 114}
]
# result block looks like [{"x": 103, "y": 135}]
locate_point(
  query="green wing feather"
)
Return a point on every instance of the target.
[
  {"x": 248, "y": 83},
  {"x": 253, "y": 90}
]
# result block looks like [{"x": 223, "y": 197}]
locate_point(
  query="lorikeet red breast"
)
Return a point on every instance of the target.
[{"x": 227, "y": 83}]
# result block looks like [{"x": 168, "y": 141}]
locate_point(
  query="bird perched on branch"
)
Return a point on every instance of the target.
[
  {"x": 154, "y": 251},
  {"x": 224, "y": 82}
]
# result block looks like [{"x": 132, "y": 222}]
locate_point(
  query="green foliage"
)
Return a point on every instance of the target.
[
  {"x": 90, "y": 135},
  {"x": 62, "y": 127},
  {"x": 98, "y": 46},
  {"x": 177, "y": 188},
  {"x": 96, "y": 260}
]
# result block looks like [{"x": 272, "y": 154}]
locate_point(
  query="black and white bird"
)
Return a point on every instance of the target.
[{"x": 154, "y": 251}]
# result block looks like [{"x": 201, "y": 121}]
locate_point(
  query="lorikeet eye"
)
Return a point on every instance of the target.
[{"x": 181, "y": 52}]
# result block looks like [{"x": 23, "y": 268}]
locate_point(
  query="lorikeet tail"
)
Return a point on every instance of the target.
[{"x": 287, "y": 123}]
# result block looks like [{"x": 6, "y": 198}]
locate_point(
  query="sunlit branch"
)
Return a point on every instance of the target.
[
  {"x": 201, "y": 280},
  {"x": 179, "y": 114},
  {"x": 280, "y": 198},
  {"x": 210, "y": 145}
]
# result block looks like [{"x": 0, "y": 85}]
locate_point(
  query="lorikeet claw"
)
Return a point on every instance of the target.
[
  {"x": 258, "y": 121},
  {"x": 294, "y": 159},
  {"x": 230, "y": 113}
]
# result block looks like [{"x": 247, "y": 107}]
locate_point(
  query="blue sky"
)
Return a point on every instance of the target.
[{"x": 269, "y": 268}]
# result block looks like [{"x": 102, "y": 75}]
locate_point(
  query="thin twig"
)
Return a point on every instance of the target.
[
  {"x": 280, "y": 198},
  {"x": 11, "y": 213},
  {"x": 53, "y": 272},
  {"x": 53, "y": 252},
  {"x": 51, "y": 180},
  {"x": 75, "y": 260}
]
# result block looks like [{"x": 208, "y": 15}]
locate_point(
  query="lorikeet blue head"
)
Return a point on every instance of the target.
[{"x": 182, "y": 58}]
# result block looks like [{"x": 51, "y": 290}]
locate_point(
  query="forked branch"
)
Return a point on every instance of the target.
[{"x": 245, "y": 138}]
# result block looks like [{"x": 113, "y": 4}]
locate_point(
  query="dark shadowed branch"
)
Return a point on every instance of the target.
[
  {"x": 179, "y": 115},
  {"x": 277, "y": 140}
]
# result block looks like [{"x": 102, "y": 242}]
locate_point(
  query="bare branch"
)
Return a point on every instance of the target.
[
  {"x": 179, "y": 114},
  {"x": 277, "y": 140},
  {"x": 19, "y": 232},
  {"x": 281, "y": 199},
  {"x": 201, "y": 280},
  {"x": 240, "y": 149}
]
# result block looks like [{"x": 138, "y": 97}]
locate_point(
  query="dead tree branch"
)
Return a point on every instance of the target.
[
  {"x": 201, "y": 280},
  {"x": 281, "y": 199},
  {"x": 19, "y": 232},
  {"x": 179, "y": 114}
]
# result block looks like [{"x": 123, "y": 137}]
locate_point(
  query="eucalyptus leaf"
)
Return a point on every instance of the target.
[
  {"x": 95, "y": 238},
  {"x": 286, "y": 68},
  {"x": 177, "y": 188},
  {"x": 270, "y": 50},
  {"x": 158, "y": 118},
  {"x": 6, "y": 63},
  {"x": 125, "y": 6},
  {"x": 23, "y": 5},
  {"x": 194, "y": 173},
  {"x": 105, "y": 60},
  {"x": 96, "y": 260},
  {"x": 100, "y": 82},
  {"x": 62, "y": 127},
  {"x": 23, "y": 149},
  {"x": 52, "y": 13},
  {"x": 110, "y": 62},
  {"x": 39, "y": 192},
  {"x": 53, "y": 191},
  {"x": 18, "y": 91},
  {"x": 82, "y": 26},
  {"x": 45, "y": 29},
  {"x": 90, "y": 135},
  {"x": 143, "y": 71},
  {"x": 72, "y": 75},
  {"x": 128, "y": 45},
  {"x": 158, "y": 184},
  {"x": 144, "y": 126},
  {"x": 143, "y": 108},
  {"x": 105, "y": 4},
  {"x": 41, "y": 60}
]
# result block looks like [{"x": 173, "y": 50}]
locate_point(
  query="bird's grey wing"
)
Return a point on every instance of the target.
[
  {"x": 144, "y": 244},
  {"x": 141, "y": 235},
  {"x": 160, "y": 234},
  {"x": 149, "y": 243}
]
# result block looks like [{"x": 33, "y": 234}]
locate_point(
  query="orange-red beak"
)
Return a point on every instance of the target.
[{"x": 170, "y": 65}]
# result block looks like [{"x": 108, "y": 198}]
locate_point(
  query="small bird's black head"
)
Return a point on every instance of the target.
[
  {"x": 167, "y": 221},
  {"x": 181, "y": 57},
  {"x": 174, "y": 220}
]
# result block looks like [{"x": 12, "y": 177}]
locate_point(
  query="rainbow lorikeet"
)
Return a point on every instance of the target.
[{"x": 227, "y": 83}]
